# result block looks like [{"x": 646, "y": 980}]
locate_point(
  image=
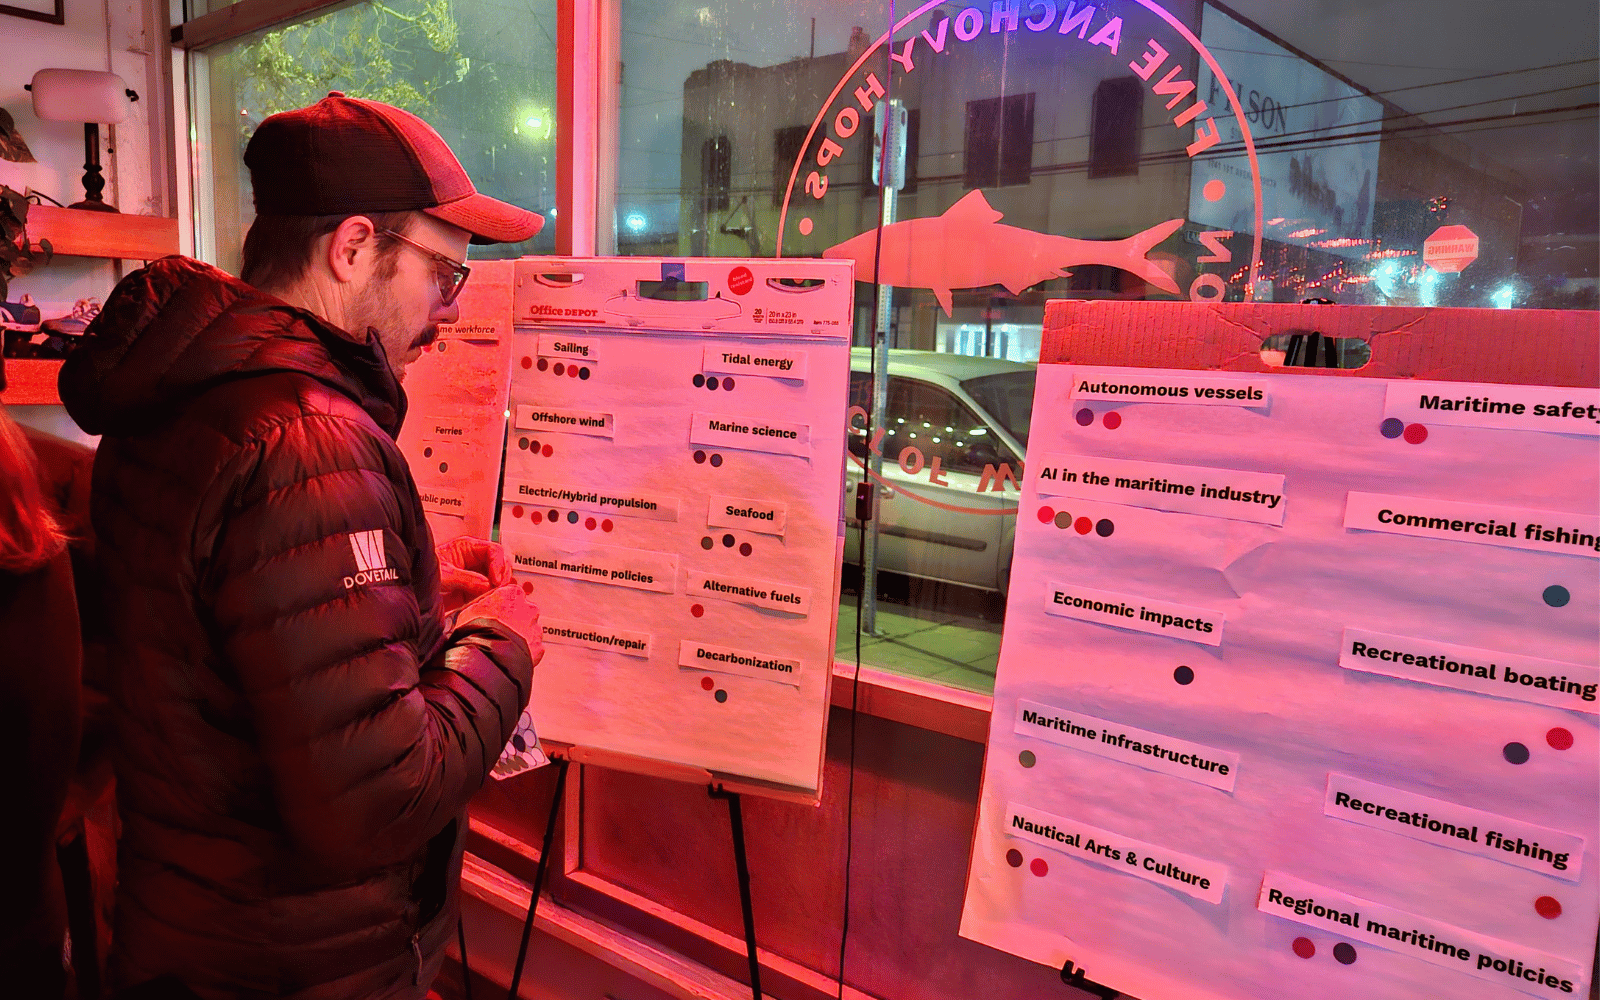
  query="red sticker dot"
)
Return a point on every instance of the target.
[
  {"x": 560, "y": 368},
  {"x": 605, "y": 525},
  {"x": 590, "y": 523},
  {"x": 1547, "y": 907},
  {"x": 1112, "y": 420},
  {"x": 1304, "y": 948},
  {"x": 527, "y": 588},
  {"x": 527, "y": 362},
  {"x": 1045, "y": 515},
  {"x": 745, "y": 548},
  {"x": 697, "y": 610},
  {"x": 546, "y": 451},
  {"x": 1416, "y": 434},
  {"x": 1559, "y": 738},
  {"x": 572, "y": 372},
  {"x": 1039, "y": 867},
  {"x": 536, "y": 517},
  {"x": 1083, "y": 525},
  {"x": 707, "y": 683},
  {"x": 516, "y": 511}
]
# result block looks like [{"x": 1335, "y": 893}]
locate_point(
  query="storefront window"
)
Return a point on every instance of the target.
[
  {"x": 484, "y": 77},
  {"x": 1386, "y": 160}
]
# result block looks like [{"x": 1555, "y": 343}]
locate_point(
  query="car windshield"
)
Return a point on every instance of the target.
[{"x": 1008, "y": 397}]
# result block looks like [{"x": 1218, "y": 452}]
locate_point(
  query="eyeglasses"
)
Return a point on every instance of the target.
[{"x": 452, "y": 276}]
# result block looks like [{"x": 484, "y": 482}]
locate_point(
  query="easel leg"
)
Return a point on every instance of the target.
[
  {"x": 538, "y": 875},
  {"x": 741, "y": 865},
  {"x": 466, "y": 970}
]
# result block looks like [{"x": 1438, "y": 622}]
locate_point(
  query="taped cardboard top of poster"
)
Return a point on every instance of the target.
[
  {"x": 717, "y": 296},
  {"x": 1512, "y": 347}
]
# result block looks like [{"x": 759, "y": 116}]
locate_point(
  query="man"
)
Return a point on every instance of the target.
[{"x": 303, "y": 708}]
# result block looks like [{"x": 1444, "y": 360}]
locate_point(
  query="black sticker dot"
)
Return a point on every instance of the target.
[
  {"x": 716, "y": 461},
  {"x": 699, "y": 380},
  {"x": 1104, "y": 527},
  {"x": 1516, "y": 753},
  {"x": 699, "y": 458},
  {"x": 572, "y": 517},
  {"x": 711, "y": 383},
  {"x": 727, "y": 541},
  {"x": 1183, "y": 675},
  {"x": 1557, "y": 596},
  {"x": 583, "y": 374},
  {"x": 1345, "y": 953},
  {"x": 518, "y": 742},
  {"x": 722, "y": 695},
  {"x": 706, "y": 542},
  {"x": 444, "y": 466},
  {"x": 427, "y": 453}
]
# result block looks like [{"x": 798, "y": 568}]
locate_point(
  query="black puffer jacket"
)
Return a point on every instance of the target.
[{"x": 297, "y": 737}]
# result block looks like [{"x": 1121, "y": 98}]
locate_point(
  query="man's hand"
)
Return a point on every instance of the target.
[
  {"x": 510, "y": 607},
  {"x": 468, "y": 569}
]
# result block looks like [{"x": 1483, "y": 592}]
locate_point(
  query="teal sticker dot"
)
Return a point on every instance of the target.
[
  {"x": 1557, "y": 596},
  {"x": 1027, "y": 758}
]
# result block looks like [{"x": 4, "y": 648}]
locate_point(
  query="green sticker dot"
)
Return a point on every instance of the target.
[{"x": 1027, "y": 758}]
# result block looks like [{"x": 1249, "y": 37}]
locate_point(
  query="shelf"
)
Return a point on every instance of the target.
[
  {"x": 31, "y": 381},
  {"x": 74, "y": 232}
]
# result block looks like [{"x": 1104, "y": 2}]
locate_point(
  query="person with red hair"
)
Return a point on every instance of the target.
[{"x": 40, "y": 670}]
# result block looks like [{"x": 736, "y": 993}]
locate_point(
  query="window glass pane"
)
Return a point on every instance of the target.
[
  {"x": 481, "y": 74},
  {"x": 1169, "y": 151}
]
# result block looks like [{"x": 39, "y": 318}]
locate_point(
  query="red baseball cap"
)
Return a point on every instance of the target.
[{"x": 344, "y": 155}]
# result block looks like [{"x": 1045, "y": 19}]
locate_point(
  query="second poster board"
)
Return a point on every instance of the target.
[
  {"x": 1297, "y": 695},
  {"x": 673, "y": 502}
]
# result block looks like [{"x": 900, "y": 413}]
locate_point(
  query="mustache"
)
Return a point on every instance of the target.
[{"x": 427, "y": 337}]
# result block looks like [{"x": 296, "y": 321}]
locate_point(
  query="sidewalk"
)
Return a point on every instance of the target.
[{"x": 943, "y": 648}]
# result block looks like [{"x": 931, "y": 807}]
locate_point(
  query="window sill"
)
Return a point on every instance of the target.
[{"x": 914, "y": 702}]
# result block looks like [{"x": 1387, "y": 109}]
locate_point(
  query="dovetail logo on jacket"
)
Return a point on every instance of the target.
[{"x": 372, "y": 563}]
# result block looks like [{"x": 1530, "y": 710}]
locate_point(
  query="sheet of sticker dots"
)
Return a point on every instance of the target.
[
  {"x": 1297, "y": 690},
  {"x": 672, "y": 503}
]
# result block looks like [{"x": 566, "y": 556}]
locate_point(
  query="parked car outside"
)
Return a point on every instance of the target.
[{"x": 954, "y": 438}]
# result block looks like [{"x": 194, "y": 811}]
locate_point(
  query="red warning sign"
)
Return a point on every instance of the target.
[
  {"x": 1450, "y": 249},
  {"x": 740, "y": 280}
]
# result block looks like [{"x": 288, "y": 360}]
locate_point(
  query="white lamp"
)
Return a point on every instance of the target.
[{"x": 91, "y": 97}]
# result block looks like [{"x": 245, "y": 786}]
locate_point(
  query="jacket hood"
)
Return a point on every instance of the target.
[{"x": 179, "y": 327}]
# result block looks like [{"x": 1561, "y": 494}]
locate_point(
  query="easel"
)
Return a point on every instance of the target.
[
  {"x": 741, "y": 864},
  {"x": 1074, "y": 977}
]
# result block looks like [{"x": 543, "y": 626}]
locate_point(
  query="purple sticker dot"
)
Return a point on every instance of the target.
[
  {"x": 1392, "y": 428},
  {"x": 699, "y": 458},
  {"x": 1515, "y": 753},
  {"x": 1085, "y": 417},
  {"x": 716, "y": 461},
  {"x": 1344, "y": 953},
  {"x": 1104, "y": 527},
  {"x": 1014, "y": 858}
]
